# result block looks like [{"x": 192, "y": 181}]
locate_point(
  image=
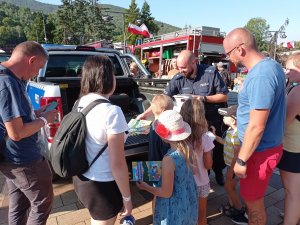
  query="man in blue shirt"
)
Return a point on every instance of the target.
[
  {"x": 261, "y": 120},
  {"x": 27, "y": 173},
  {"x": 205, "y": 83}
]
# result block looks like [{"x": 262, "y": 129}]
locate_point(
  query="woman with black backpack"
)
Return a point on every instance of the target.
[{"x": 104, "y": 188}]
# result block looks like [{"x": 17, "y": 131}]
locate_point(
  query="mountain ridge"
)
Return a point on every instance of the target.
[{"x": 117, "y": 17}]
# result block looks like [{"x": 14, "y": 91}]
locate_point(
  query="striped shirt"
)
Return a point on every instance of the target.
[{"x": 231, "y": 140}]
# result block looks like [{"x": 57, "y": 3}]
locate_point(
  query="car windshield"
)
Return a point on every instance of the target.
[{"x": 71, "y": 65}]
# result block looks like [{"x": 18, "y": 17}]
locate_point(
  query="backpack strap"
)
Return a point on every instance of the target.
[
  {"x": 85, "y": 111},
  {"x": 98, "y": 154},
  {"x": 90, "y": 106}
]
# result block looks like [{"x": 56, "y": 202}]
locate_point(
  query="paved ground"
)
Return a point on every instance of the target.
[{"x": 68, "y": 211}]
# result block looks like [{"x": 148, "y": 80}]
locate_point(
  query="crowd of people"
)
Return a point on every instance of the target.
[{"x": 261, "y": 133}]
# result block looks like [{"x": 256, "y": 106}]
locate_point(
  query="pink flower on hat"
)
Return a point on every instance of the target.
[
  {"x": 162, "y": 131},
  {"x": 170, "y": 126}
]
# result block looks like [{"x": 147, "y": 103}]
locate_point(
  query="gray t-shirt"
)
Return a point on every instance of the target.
[{"x": 15, "y": 103}]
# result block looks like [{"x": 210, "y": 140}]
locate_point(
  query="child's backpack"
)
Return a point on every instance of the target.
[{"x": 68, "y": 150}]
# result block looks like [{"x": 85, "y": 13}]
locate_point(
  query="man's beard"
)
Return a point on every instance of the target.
[
  {"x": 239, "y": 64},
  {"x": 189, "y": 74}
]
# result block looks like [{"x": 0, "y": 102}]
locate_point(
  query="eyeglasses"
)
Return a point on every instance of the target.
[{"x": 228, "y": 53}]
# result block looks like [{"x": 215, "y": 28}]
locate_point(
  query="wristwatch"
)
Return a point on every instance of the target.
[{"x": 241, "y": 162}]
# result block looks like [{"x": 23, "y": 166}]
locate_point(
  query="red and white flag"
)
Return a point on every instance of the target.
[
  {"x": 143, "y": 30},
  {"x": 289, "y": 44}
]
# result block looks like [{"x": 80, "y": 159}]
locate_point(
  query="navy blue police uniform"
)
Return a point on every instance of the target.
[{"x": 207, "y": 82}]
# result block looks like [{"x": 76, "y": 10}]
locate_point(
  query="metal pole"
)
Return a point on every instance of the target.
[
  {"x": 275, "y": 44},
  {"x": 124, "y": 30},
  {"x": 45, "y": 35}
]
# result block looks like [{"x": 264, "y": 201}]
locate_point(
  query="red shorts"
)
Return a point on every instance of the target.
[{"x": 260, "y": 167}]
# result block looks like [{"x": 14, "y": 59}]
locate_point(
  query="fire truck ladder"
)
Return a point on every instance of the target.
[{"x": 208, "y": 31}]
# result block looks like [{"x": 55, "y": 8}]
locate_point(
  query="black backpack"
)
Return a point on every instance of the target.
[{"x": 68, "y": 150}]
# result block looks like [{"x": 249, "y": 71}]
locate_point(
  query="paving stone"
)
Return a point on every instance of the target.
[
  {"x": 67, "y": 210},
  {"x": 275, "y": 181},
  {"x": 57, "y": 202},
  {"x": 69, "y": 197},
  {"x": 81, "y": 223},
  {"x": 278, "y": 195},
  {"x": 3, "y": 215},
  {"x": 52, "y": 221},
  {"x": 280, "y": 205},
  {"x": 213, "y": 204},
  {"x": 270, "y": 190},
  {"x": 223, "y": 220},
  {"x": 145, "y": 206},
  {"x": 273, "y": 217},
  {"x": 62, "y": 186},
  {"x": 2, "y": 196},
  {"x": 63, "y": 210},
  {"x": 269, "y": 201},
  {"x": 73, "y": 217}
]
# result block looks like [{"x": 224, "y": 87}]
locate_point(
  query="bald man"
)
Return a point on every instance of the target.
[
  {"x": 260, "y": 117},
  {"x": 205, "y": 83},
  {"x": 27, "y": 173}
]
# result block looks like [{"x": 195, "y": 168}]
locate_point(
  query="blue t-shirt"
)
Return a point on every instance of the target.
[
  {"x": 208, "y": 82},
  {"x": 264, "y": 88},
  {"x": 15, "y": 103}
]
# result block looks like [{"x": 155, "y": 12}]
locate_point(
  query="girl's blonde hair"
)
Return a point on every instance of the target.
[
  {"x": 162, "y": 103},
  {"x": 185, "y": 149},
  {"x": 192, "y": 112}
]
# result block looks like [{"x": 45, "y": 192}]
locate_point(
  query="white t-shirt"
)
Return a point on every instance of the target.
[
  {"x": 102, "y": 120},
  {"x": 201, "y": 177}
]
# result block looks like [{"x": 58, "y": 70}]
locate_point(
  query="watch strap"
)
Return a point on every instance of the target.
[{"x": 241, "y": 162}]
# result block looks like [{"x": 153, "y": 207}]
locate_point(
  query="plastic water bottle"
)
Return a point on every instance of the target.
[{"x": 128, "y": 220}]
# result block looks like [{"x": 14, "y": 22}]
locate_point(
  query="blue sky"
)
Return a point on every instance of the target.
[{"x": 225, "y": 14}]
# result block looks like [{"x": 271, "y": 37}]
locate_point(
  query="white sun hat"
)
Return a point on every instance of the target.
[{"x": 170, "y": 126}]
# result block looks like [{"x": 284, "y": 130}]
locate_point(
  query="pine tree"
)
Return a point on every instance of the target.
[
  {"x": 148, "y": 19},
  {"x": 131, "y": 16}
]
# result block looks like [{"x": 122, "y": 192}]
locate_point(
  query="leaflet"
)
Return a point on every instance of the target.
[{"x": 146, "y": 170}]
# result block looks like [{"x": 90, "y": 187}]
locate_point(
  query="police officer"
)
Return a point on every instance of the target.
[{"x": 206, "y": 84}]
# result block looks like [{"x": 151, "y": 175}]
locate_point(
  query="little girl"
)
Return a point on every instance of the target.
[
  {"x": 176, "y": 202},
  {"x": 193, "y": 113}
]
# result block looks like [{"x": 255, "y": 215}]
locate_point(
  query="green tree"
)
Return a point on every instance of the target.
[
  {"x": 98, "y": 28},
  {"x": 148, "y": 19},
  {"x": 131, "y": 16},
  {"x": 259, "y": 28},
  {"x": 64, "y": 29}
]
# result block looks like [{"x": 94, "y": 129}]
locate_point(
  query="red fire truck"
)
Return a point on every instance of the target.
[{"x": 205, "y": 42}]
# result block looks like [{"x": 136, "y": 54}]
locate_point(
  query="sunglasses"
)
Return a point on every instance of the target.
[{"x": 228, "y": 53}]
